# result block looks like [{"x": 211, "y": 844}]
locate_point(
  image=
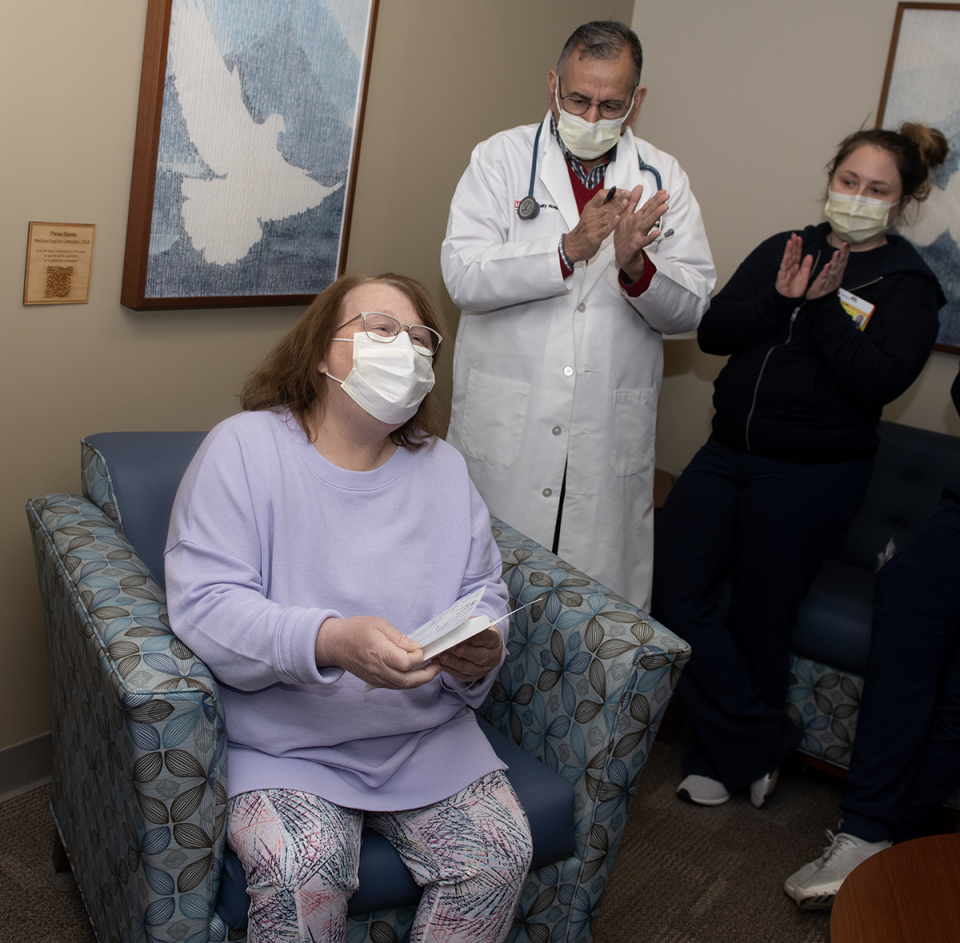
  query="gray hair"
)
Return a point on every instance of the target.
[{"x": 604, "y": 39}]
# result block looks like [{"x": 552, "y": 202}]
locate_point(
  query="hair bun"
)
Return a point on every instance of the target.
[{"x": 932, "y": 144}]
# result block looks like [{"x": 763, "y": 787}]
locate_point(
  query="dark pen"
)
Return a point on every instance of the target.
[{"x": 610, "y": 195}]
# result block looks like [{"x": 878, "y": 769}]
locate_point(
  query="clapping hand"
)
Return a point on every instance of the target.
[
  {"x": 637, "y": 229},
  {"x": 795, "y": 268},
  {"x": 598, "y": 219},
  {"x": 831, "y": 276}
]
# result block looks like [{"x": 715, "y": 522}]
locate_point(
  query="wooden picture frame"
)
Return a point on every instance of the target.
[
  {"x": 248, "y": 137},
  {"x": 920, "y": 84}
]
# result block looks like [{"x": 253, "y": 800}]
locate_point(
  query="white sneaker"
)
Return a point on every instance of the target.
[
  {"x": 815, "y": 885},
  {"x": 800, "y": 878},
  {"x": 703, "y": 791},
  {"x": 762, "y": 788}
]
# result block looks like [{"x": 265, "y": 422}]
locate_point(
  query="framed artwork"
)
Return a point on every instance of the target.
[
  {"x": 921, "y": 83},
  {"x": 248, "y": 135}
]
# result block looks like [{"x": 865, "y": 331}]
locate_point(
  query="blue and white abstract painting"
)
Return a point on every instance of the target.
[
  {"x": 260, "y": 110},
  {"x": 925, "y": 87}
]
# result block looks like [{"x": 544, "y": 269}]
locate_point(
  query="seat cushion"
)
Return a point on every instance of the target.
[
  {"x": 385, "y": 882},
  {"x": 833, "y": 622},
  {"x": 833, "y": 625}
]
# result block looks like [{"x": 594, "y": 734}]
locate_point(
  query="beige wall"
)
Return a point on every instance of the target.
[
  {"x": 752, "y": 97},
  {"x": 446, "y": 74}
]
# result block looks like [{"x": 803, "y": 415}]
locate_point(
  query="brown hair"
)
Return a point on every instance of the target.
[
  {"x": 288, "y": 376},
  {"x": 915, "y": 148}
]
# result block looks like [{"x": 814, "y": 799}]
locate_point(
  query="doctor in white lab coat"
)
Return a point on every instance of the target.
[{"x": 559, "y": 359}]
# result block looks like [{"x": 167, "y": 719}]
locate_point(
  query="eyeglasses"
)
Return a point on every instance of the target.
[
  {"x": 578, "y": 105},
  {"x": 385, "y": 328}
]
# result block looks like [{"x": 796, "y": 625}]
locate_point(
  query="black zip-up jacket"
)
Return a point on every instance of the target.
[{"x": 803, "y": 383}]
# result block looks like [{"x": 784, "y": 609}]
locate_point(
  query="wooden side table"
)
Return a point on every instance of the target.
[{"x": 909, "y": 893}]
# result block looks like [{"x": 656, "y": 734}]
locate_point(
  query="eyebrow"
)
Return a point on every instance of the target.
[
  {"x": 853, "y": 173},
  {"x": 587, "y": 98},
  {"x": 575, "y": 94},
  {"x": 581, "y": 95}
]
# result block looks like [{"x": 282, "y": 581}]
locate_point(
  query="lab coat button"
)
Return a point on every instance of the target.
[
  {"x": 547, "y": 492},
  {"x": 581, "y": 307},
  {"x": 568, "y": 371},
  {"x": 556, "y": 430}
]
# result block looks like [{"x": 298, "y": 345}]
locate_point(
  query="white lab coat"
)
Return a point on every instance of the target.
[{"x": 550, "y": 372}]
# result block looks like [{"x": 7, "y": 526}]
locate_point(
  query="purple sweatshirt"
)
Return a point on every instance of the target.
[{"x": 267, "y": 539}]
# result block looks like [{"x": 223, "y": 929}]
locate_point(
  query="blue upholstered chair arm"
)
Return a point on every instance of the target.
[
  {"x": 137, "y": 736},
  {"x": 584, "y": 687}
]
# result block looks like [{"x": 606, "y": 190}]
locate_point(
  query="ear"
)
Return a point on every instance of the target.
[
  {"x": 552, "y": 79},
  {"x": 638, "y": 98},
  {"x": 897, "y": 211}
]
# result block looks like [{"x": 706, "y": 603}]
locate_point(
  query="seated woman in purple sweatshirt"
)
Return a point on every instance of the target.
[{"x": 310, "y": 533}]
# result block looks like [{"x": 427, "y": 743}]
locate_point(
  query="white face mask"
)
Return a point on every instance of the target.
[
  {"x": 388, "y": 380},
  {"x": 584, "y": 140},
  {"x": 856, "y": 218}
]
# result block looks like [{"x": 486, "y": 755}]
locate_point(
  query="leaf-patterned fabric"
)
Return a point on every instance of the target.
[
  {"x": 470, "y": 851},
  {"x": 139, "y": 758}
]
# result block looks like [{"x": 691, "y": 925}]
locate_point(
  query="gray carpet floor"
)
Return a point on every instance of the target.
[
  {"x": 683, "y": 874},
  {"x": 693, "y": 874},
  {"x": 37, "y": 905}
]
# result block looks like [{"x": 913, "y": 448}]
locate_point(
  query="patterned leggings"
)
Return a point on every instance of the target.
[{"x": 470, "y": 852}]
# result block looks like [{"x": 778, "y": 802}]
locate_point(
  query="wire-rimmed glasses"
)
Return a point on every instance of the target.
[
  {"x": 578, "y": 105},
  {"x": 385, "y": 328}
]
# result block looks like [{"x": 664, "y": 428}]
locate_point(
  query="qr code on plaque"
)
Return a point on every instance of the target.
[{"x": 59, "y": 280}]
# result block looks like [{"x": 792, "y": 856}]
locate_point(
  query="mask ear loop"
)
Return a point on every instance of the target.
[
  {"x": 347, "y": 340},
  {"x": 903, "y": 203}
]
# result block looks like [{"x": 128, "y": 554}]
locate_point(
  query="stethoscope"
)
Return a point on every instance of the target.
[{"x": 529, "y": 208}]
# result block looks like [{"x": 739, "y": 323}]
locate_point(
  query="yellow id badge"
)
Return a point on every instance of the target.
[{"x": 858, "y": 309}]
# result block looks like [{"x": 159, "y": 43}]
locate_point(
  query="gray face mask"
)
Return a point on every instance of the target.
[
  {"x": 389, "y": 380},
  {"x": 856, "y": 218}
]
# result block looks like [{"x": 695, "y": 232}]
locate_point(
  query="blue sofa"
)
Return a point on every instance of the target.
[
  {"x": 139, "y": 732},
  {"x": 831, "y": 637}
]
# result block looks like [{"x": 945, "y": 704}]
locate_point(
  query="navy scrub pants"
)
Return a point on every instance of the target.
[
  {"x": 906, "y": 752},
  {"x": 766, "y": 524}
]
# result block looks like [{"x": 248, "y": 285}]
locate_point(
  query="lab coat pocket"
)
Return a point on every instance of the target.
[
  {"x": 634, "y": 425},
  {"x": 494, "y": 415}
]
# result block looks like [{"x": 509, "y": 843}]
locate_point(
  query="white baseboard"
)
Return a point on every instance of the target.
[{"x": 25, "y": 766}]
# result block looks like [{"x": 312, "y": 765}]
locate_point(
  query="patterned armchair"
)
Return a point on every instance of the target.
[{"x": 139, "y": 748}]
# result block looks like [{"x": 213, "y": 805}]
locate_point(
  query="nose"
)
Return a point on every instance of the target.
[
  {"x": 592, "y": 114},
  {"x": 405, "y": 328}
]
